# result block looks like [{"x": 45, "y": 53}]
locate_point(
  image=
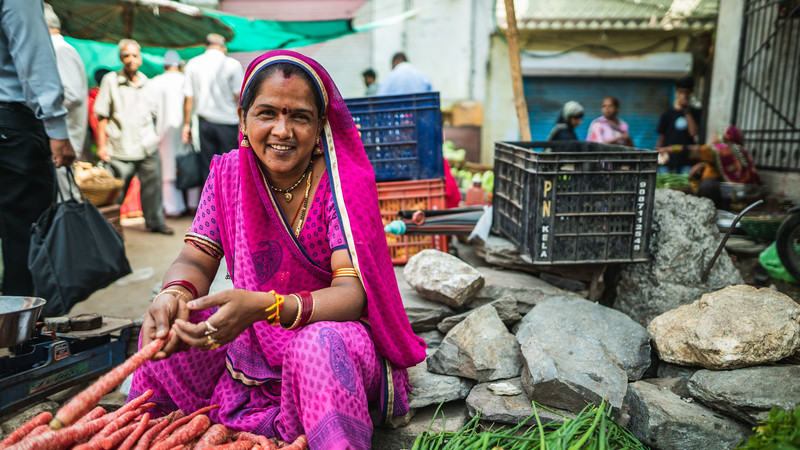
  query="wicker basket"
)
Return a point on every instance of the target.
[
  {"x": 97, "y": 184},
  {"x": 762, "y": 227}
]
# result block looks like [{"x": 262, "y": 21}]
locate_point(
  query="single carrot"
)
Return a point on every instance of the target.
[
  {"x": 129, "y": 441},
  {"x": 301, "y": 443},
  {"x": 96, "y": 413},
  {"x": 18, "y": 434},
  {"x": 116, "y": 424},
  {"x": 63, "y": 438},
  {"x": 177, "y": 447},
  {"x": 196, "y": 427},
  {"x": 182, "y": 421},
  {"x": 271, "y": 445},
  {"x": 89, "y": 397},
  {"x": 37, "y": 431},
  {"x": 254, "y": 438},
  {"x": 217, "y": 434},
  {"x": 144, "y": 442}
]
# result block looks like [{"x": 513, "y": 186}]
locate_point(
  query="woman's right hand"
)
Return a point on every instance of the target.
[{"x": 162, "y": 313}]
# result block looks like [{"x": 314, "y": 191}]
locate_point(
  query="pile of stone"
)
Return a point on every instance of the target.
[{"x": 500, "y": 339}]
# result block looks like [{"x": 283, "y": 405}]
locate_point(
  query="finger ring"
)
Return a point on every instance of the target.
[
  {"x": 211, "y": 329},
  {"x": 212, "y": 343}
]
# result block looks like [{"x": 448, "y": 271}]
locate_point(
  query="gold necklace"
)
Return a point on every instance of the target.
[
  {"x": 287, "y": 193},
  {"x": 302, "y": 210}
]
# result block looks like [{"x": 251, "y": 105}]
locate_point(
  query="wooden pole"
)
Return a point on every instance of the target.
[{"x": 516, "y": 72}]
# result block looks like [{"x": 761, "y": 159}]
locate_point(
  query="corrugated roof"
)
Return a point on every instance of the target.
[{"x": 611, "y": 14}]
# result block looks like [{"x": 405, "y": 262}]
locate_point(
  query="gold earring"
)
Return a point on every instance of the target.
[
  {"x": 245, "y": 142},
  {"x": 318, "y": 148}
]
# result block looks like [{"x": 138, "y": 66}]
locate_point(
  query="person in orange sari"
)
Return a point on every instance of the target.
[{"x": 724, "y": 160}]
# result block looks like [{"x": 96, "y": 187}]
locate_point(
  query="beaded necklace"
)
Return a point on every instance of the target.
[{"x": 287, "y": 193}]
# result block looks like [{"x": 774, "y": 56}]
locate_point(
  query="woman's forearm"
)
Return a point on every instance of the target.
[{"x": 194, "y": 267}]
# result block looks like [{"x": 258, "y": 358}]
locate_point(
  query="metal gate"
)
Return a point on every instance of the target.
[{"x": 767, "y": 98}]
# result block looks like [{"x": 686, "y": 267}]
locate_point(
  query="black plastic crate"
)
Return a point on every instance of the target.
[
  {"x": 574, "y": 202},
  {"x": 402, "y": 135}
]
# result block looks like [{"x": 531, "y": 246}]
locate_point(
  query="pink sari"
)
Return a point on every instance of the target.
[{"x": 316, "y": 380}]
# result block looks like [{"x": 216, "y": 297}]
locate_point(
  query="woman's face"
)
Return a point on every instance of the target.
[
  {"x": 609, "y": 109},
  {"x": 282, "y": 125}
]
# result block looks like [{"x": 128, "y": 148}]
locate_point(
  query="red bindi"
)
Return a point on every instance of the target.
[{"x": 284, "y": 111}]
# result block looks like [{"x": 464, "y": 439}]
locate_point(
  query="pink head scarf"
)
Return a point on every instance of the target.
[{"x": 352, "y": 182}]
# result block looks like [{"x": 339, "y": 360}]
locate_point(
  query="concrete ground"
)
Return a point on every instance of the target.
[{"x": 149, "y": 254}]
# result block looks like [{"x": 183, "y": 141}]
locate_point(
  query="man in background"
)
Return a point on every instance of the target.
[
  {"x": 212, "y": 87},
  {"x": 369, "y": 82},
  {"x": 678, "y": 128},
  {"x": 166, "y": 93},
  {"x": 76, "y": 88},
  {"x": 404, "y": 78},
  {"x": 34, "y": 133},
  {"x": 126, "y": 135}
]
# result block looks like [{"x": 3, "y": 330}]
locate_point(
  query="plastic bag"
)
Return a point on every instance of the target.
[{"x": 772, "y": 263}]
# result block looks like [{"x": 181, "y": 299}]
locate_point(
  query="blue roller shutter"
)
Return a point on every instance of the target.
[{"x": 641, "y": 103}]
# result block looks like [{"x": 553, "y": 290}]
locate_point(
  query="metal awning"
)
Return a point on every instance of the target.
[{"x": 577, "y": 15}]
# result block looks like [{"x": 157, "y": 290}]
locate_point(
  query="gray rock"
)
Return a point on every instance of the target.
[
  {"x": 527, "y": 289},
  {"x": 678, "y": 386},
  {"x": 479, "y": 348},
  {"x": 626, "y": 339},
  {"x": 568, "y": 370},
  {"x": 738, "y": 326},
  {"x": 17, "y": 419},
  {"x": 748, "y": 394},
  {"x": 423, "y": 314},
  {"x": 431, "y": 389},
  {"x": 498, "y": 251},
  {"x": 505, "y": 306},
  {"x": 684, "y": 240},
  {"x": 667, "y": 370},
  {"x": 662, "y": 420},
  {"x": 442, "y": 277},
  {"x": 508, "y": 409},
  {"x": 451, "y": 417},
  {"x": 433, "y": 338}
]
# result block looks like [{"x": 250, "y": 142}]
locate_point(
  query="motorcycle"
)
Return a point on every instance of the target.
[{"x": 787, "y": 242}]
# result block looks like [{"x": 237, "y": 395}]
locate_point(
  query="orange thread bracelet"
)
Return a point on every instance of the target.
[{"x": 275, "y": 317}]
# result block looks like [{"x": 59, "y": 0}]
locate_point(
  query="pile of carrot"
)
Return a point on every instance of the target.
[{"x": 81, "y": 425}]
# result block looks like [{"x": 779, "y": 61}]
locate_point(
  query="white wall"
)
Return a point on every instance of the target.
[
  {"x": 445, "y": 39},
  {"x": 726, "y": 55}
]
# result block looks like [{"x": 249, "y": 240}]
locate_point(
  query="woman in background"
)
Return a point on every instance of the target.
[
  {"x": 570, "y": 118},
  {"x": 608, "y": 128}
]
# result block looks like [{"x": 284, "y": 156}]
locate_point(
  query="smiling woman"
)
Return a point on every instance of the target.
[{"x": 315, "y": 328}]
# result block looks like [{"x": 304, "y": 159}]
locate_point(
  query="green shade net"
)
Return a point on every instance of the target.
[{"x": 249, "y": 36}]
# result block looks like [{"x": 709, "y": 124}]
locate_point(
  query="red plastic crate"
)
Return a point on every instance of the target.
[{"x": 398, "y": 196}]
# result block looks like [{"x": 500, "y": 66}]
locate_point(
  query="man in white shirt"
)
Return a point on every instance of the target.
[
  {"x": 73, "y": 78},
  {"x": 212, "y": 87},
  {"x": 404, "y": 78},
  {"x": 166, "y": 93}
]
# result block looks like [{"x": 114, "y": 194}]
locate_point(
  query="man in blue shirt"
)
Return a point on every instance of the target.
[
  {"x": 404, "y": 78},
  {"x": 33, "y": 133}
]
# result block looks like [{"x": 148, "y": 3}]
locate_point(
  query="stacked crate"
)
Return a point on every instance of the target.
[{"x": 402, "y": 136}]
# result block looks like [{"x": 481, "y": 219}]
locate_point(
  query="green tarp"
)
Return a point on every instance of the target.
[{"x": 250, "y": 35}]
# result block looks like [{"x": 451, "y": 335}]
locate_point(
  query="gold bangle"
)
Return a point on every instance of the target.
[
  {"x": 345, "y": 272},
  {"x": 313, "y": 307},
  {"x": 173, "y": 291},
  {"x": 299, "y": 313}
]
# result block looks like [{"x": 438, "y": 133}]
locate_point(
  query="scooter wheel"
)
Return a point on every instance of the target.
[{"x": 787, "y": 241}]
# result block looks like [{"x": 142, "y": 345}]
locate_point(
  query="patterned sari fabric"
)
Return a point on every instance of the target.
[{"x": 316, "y": 380}]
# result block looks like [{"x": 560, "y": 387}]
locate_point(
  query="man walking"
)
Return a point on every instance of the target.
[
  {"x": 126, "y": 135},
  {"x": 33, "y": 134},
  {"x": 404, "y": 78},
  {"x": 212, "y": 87}
]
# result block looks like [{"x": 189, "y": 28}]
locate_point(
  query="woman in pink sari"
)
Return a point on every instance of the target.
[{"x": 294, "y": 210}]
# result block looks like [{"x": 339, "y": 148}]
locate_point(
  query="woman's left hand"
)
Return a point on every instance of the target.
[{"x": 238, "y": 309}]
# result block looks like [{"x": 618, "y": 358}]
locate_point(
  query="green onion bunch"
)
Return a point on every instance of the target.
[{"x": 592, "y": 428}]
